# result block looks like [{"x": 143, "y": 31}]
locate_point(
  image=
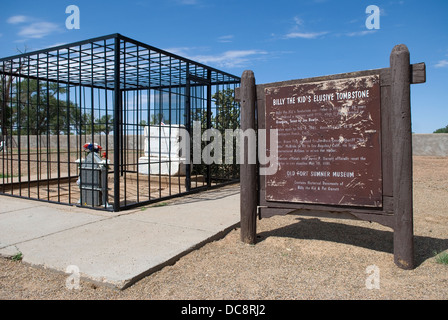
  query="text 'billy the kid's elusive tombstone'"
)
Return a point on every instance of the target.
[{"x": 329, "y": 149}]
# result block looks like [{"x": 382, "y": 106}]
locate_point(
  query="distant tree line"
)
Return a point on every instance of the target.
[
  {"x": 442, "y": 130},
  {"x": 32, "y": 107}
]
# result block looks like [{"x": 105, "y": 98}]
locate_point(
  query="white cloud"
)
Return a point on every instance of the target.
[
  {"x": 188, "y": 2},
  {"x": 305, "y": 35},
  {"x": 230, "y": 59},
  {"x": 57, "y": 44},
  {"x": 442, "y": 64},
  {"x": 38, "y": 30},
  {"x": 181, "y": 51},
  {"x": 30, "y": 27},
  {"x": 227, "y": 38},
  {"x": 360, "y": 33},
  {"x": 296, "y": 31},
  {"x": 298, "y": 21},
  {"x": 17, "y": 19}
]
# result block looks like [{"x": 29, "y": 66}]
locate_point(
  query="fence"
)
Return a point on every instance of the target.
[{"x": 100, "y": 96}]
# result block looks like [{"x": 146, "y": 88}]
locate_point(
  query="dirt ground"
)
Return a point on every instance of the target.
[
  {"x": 296, "y": 257},
  {"x": 53, "y": 178}
]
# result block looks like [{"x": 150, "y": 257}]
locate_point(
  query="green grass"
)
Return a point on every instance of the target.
[
  {"x": 161, "y": 204},
  {"x": 18, "y": 256},
  {"x": 3, "y": 175},
  {"x": 442, "y": 257}
]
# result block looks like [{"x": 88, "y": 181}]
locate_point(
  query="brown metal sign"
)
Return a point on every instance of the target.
[{"x": 329, "y": 148}]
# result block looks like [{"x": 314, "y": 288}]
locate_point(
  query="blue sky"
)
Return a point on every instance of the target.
[{"x": 278, "y": 40}]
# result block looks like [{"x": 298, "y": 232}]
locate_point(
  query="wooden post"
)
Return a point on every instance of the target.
[
  {"x": 248, "y": 172},
  {"x": 402, "y": 157}
]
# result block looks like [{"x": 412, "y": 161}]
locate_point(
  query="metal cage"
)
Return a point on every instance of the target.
[{"x": 97, "y": 123}]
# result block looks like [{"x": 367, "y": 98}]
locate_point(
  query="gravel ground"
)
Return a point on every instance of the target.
[{"x": 296, "y": 257}]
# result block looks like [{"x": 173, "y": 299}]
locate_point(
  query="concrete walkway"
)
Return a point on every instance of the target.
[{"x": 115, "y": 249}]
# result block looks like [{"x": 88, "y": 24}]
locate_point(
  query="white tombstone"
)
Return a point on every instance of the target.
[{"x": 162, "y": 149}]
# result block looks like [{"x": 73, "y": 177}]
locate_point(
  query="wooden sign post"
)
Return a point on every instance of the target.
[
  {"x": 344, "y": 148},
  {"x": 248, "y": 172},
  {"x": 402, "y": 157}
]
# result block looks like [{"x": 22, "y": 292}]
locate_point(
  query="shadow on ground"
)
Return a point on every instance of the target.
[
  {"x": 365, "y": 237},
  {"x": 210, "y": 195}
]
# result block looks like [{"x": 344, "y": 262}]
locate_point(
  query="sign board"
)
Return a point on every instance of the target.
[
  {"x": 344, "y": 149},
  {"x": 329, "y": 149}
]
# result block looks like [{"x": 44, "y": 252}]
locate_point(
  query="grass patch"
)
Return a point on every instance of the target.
[
  {"x": 442, "y": 257},
  {"x": 17, "y": 257},
  {"x": 161, "y": 204},
  {"x": 5, "y": 175}
]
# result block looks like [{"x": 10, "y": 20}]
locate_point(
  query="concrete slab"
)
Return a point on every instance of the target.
[
  {"x": 9, "y": 204},
  {"x": 116, "y": 249},
  {"x": 202, "y": 214},
  {"x": 21, "y": 225}
]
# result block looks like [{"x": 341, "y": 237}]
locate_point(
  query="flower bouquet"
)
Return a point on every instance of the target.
[{"x": 92, "y": 147}]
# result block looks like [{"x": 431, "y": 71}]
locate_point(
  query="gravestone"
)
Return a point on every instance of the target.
[
  {"x": 93, "y": 180},
  {"x": 162, "y": 149}
]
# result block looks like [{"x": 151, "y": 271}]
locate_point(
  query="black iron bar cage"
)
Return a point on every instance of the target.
[{"x": 99, "y": 123}]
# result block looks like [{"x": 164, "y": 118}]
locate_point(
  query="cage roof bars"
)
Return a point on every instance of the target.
[{"x": 92, "y": 63}]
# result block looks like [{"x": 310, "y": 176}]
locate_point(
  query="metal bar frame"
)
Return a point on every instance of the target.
[{"x": 78, "y": 93}]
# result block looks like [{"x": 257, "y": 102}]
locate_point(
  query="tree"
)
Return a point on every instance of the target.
[
  {"x": 39, "y": 108},
  {"x": 7, "y": 79},
  {"x": 42, "y": 108},
  {"x": 104, "y": 124},
  {"x": 36, "y": 107},
  {"x": 227, "y": 113},
  {"x": 227, "y": 116},
  {"x": 90, "y": 124},
  {"x": 442, "y": 130},
  {"x": 158, "y": 118}
]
